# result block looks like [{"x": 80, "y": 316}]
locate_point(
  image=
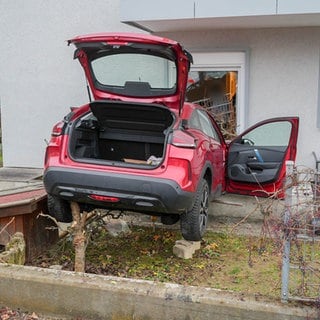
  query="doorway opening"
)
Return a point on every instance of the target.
[
  {"x": 218, "y": 81},
  {"x": 217, "y": 92}
]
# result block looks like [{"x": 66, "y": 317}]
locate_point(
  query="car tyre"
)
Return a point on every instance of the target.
[
  {"x": 194, "y": 222},
  {"x": 59, "y": 209}
]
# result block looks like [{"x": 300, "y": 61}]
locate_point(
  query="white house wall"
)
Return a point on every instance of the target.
[
  {"x": 283, "y": 74},
  {"x": 39, "y": 80}
]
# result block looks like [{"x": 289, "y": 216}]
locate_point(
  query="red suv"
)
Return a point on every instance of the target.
[{"x": 138, "y": 146}]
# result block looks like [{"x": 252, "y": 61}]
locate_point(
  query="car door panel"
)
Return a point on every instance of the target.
[
  {"x": 256, "y": 159},
  {"x": 255, "y": 165}
]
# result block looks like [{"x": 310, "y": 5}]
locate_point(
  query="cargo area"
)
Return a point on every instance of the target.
[{"x": 126, "y": 133}]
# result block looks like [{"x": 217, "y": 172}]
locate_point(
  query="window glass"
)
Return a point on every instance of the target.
[
  {"x": 142, "y": 71},
  {"x": 194, "y": 121},
  {"x": 270, "y": 134},
  {"x": 200, "y": 120}
]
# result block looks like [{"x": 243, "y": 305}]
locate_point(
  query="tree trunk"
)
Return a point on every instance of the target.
[{"x": 79, "y": 237}]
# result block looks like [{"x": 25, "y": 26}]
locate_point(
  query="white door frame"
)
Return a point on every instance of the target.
[{"x": 227, "y": 61}]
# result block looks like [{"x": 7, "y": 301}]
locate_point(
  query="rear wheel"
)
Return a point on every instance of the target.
[
  {"x": 59, "y": 209},
  {"x": 194, "y": 222}
]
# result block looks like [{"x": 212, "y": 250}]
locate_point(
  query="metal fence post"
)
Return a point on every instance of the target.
[{"x": 287, "y": 238}]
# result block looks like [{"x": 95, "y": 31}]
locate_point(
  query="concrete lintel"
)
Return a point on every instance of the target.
[{"x": 55, "y": 292}]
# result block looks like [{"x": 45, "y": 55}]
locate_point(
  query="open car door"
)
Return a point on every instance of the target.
[{"x": 256, "y": 161}]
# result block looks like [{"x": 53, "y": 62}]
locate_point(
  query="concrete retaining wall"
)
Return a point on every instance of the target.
[{"x": 90, "y": 296}]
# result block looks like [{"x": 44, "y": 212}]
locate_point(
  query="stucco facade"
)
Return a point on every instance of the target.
[
  {"x": 281, "y": 40},
  {"x": 283, "y": 75},
  {"x": 39, "y": 80}
]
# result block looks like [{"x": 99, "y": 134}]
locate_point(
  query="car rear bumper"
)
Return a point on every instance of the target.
[{"x": 135, "y": 193}]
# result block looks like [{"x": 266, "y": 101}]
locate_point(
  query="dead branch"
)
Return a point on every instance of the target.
[
  {"x": 238, "y": 204},
  {"x": 244, "y": 218},
  {"x": 51, "y": 218},
  {"x": 66, "y": 232},
  {"x": 79, "y": 236}
]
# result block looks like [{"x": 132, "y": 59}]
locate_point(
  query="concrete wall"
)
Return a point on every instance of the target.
[
  {"x": 283, "y": 74},
  {"x": 39, "y": 80},
  {"x": 87, "y": 296}
]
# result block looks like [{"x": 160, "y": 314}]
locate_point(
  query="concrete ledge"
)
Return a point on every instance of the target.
[{"x": 54, "y": 292}]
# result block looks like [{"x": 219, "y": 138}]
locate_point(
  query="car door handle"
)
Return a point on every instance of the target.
[{"x": 258, "y": 155}]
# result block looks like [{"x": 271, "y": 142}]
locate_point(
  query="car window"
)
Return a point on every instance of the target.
[
  {"x": 135, "y": 74},
  {"x": 207, "y": 126},
  {"x": 270, "y": 134},
  {"x": 194, "y": 121},
  {"x": 199, "y": 120}
]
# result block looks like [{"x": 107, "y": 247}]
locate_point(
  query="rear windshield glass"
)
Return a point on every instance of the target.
[{"x": 135, "y": 74}]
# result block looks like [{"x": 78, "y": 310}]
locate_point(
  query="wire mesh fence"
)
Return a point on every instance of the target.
[{"x": 301, "y": 237}]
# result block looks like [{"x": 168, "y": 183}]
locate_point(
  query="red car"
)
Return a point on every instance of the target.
[{"x": 138, "y": 146}]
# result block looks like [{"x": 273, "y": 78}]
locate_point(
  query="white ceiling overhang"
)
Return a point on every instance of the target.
[
  {"x": 190, "y": 15},
  {"x": 227, "y": 23}
]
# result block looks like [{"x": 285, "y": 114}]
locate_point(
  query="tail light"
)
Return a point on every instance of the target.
[
  {"x": 104, "y": 198},
  {"x": 58, "y": 129},
  {"x": 183, "y": 140}
]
